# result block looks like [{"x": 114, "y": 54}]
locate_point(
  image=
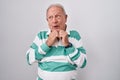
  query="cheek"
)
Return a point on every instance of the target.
[
  {"x": 63, "y": 21},
  {"x": 50, "y": 27},
  {"x": 49, "y": 23}
]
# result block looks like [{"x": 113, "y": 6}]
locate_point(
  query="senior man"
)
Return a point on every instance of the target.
[{"x": 58, "y": 52}]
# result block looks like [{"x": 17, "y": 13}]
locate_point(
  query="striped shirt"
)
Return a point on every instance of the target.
[{"x": 57, "y": 62}]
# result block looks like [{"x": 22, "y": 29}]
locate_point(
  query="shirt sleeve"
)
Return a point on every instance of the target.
[
  {"x": 76, "y": 53},
  {"x": 37, "y": 50}
]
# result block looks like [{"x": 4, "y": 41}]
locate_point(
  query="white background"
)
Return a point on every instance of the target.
[{"x": 98, "y": 22}]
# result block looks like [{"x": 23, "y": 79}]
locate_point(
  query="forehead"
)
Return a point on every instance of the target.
[{"x": 54, "y": 10}]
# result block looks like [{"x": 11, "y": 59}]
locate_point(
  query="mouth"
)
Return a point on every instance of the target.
[{"x": 56, "y": 27}]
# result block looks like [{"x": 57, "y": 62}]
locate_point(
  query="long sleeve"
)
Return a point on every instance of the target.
[
  {"x": 37, "y": 50},
  {"x": 76, "y": 53}
]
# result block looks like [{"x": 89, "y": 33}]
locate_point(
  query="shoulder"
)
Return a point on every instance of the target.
[
  {"x": 75, "y": 34},
  {"x": 42, "y": 34}
]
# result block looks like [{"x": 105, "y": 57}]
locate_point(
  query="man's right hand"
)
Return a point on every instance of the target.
[{"x": 52, "y": 38}]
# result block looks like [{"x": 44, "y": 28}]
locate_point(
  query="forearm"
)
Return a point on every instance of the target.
[
  {"x": 76, "y": 56},
  {"x": 36, "y": 53}
]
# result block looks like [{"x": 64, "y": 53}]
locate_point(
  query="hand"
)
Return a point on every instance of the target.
[
  {"x": 64, "y": 37},
  {"x": 52, "y": 38}
]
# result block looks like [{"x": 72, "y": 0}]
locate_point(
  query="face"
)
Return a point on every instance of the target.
[{"x": 56, "y": 19}]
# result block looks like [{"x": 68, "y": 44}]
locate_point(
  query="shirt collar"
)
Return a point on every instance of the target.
[{"x": 50, "y": 31}]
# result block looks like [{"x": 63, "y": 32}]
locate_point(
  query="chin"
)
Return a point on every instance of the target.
[{"x": 57, "y": 29}]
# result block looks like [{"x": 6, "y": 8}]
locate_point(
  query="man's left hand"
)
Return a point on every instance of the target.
[{"x": 63, "y": 35}]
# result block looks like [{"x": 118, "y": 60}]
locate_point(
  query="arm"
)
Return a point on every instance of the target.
[
  {"x": 37, "y": 50},
  {"x": 76, "y": 54}
]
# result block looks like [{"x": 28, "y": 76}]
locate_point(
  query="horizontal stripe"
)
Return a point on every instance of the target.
[
  {"x": 69, "y": 60},
  {"x": 82, "y": 50},
  {"x": 69, "y": 50},
  {"x": 55, "y": 51},
  {"x": 38, "y": 56},
  {"x": 55, "y": 59},
  {"x": 75, "y": 56},
  {"x": 80, "y": 60},
  {"x": 76, "y": 43},
  {"x": 41, "y": 51},
  {"x": 37, "y": 41},
  {"x": 56, "y": 66},
  {"x": 74, "y": 34},
  {"x": 74, "y": 53},
  {"x": 30, "y": 56},
  {"x": 39, "y": 48},
  {"x": 68, "y": 75},
  {"x": 42, "y": 35},
  {"x": 45, "y": 47},
  {"x": 84, "y": 63}
]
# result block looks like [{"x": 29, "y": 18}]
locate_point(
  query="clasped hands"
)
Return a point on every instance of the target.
[{"x": 54, "y": 35}]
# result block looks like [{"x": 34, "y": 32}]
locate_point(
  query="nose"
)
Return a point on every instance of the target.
[{"x": 54, "y": 20}]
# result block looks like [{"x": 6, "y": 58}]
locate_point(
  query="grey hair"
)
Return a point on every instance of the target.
[{"x": 56, "y": 5}]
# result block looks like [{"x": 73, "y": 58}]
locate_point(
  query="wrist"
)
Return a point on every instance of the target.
[
  {"x": 68, "y": 45},
  {"x": 48, "y": 43}
]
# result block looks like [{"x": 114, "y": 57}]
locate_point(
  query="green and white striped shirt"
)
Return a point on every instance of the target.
[{"x": 57, "y": 62}]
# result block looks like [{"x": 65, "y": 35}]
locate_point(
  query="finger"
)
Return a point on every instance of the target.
[{"x": 56, "y": 33}]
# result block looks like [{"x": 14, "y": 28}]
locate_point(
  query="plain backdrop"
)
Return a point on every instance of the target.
[{"x": 98, "y": 22}]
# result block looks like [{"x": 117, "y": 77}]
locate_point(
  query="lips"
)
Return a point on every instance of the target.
[{"x": 56, "y": 26}]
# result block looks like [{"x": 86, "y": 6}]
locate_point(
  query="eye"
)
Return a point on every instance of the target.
[
  {"x": 58, "y": 16},
  {"x": 50, "y": 17}
]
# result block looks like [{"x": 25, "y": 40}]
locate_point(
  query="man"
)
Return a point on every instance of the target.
[{"x": 58, "y": 52}]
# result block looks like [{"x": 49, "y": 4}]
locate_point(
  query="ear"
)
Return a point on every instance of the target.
[
  {"x": 46, "y": 19},
  {"x": 66, "y": 17}
]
